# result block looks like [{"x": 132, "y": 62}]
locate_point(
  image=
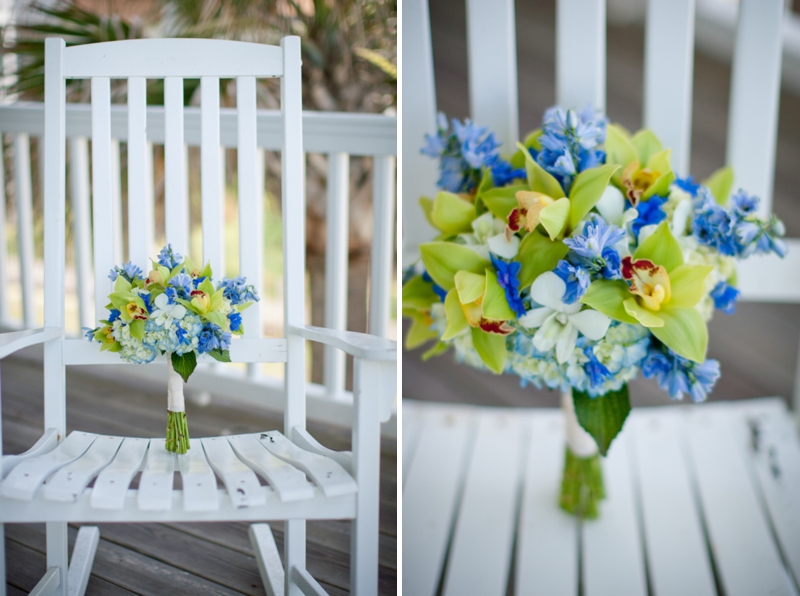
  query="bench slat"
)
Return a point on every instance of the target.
[
  {"x": 199, "y": 482},
  {"x": 155, "y": 485},
  {"x": 240, "y": 481},
  {"x": 289, "y": 482},
  {"x": 69, "y": 481},
  {"x": 111, "y": 486}
]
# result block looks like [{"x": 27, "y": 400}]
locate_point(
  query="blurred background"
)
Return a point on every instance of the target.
[{"x": 758, "y": 346}]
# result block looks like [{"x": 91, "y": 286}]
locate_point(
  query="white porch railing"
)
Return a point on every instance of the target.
[{"x": 337, "y": 135}]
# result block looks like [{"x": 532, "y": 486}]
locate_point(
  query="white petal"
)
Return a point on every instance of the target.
[
  {"x": 573, "y": 308},
  {"x": 535, "y": 317},
  {"x": 611, "y": 205},
  {"x": 548, "y": 289},
  {"x": 177, "y": 311},
  {"x": 646, "y": 231},
  {"x": 547, "y": 335},
  {"x": 502, "y": 247},
  {"x": 591, "y": 323},
  {"x": 680, "y": 217},
  {"x": 566, "y": 343},
  {"x": 161, "y": 301}
]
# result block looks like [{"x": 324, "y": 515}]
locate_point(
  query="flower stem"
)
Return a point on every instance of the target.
[
  {"x": 177, "y": 432},
  {"x": 581, "y": 485}
]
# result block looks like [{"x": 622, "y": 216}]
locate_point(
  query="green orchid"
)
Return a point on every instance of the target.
[
  {"x": 646, "y": 169},
  {"x": 417, "y": 298},
  {"x": 662, "y": 295}
]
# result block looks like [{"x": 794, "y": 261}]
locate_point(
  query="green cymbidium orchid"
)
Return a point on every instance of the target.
[
  {"x": 645, "y": 164},
  {"x": 661, "y": 296}
]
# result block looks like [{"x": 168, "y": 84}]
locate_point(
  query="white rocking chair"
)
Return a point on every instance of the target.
[{"x": 305, "y": 480}]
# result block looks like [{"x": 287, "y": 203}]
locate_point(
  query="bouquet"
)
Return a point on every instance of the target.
[
  {"x": 576, "y": 262},
  {"x": 178, "y": 311}
]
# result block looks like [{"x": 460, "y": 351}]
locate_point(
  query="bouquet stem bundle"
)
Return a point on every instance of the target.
[
  {"x": 177, "y": 429},
  {"x": 582, "y": 482}
]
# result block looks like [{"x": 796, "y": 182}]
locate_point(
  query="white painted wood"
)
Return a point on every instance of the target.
[
  {"x": 480, "y": 553},
  {"x": 116, "y": 201},
  {"x": 745, "y": 555},
  {"x": 3, "y": 243},
  {"x": 547, "y": 538},
  {"x": 162, "y": 58},
  {"x": 111, "y": 485},
  {"x": 382, "y": 271},
  {"x": 211, "y": 177},
  {"x": 243, "y": 486},
  {"x": 326, "y": 473},
  {"x": 80, "y": 565},
  {"x": 2, "y": 560},
  {"x": 677, "y": 554},
  {"x": 669, "y": 68},
  {"x": 431, "y": 496},
  {"x": 419, "y": 119},
  {"x": 199, "y": 482},
  {"x": 46, "y": 443},
  {"x": 49, "y": 583},
  {"x": 25, "y": 479},
  {"x": 176, "y": 210},
  {"x": 755, "y": 90},
  {"x": 68, "y": 482},
  {"x": 57, "y": 552},
  {"x": 307, "y": 584},
  {"x": 24, "y": 204},
  {"x": 492, "y": 60},
  {"x": 413, "y": 424},
  {"x": 581, "y": 53},
  {"x": 11, "y": 341},
  {"x": 303, "y": 439},
  {"x": 337, "y": 230},
  {"x": 268, "y": 558},
  {"x": 359, "y": 345},
  {"x": 140, "y": 209},
  {"x": 102, "y": 205},
  {"x": 81, "y": 225},
  {"x": 756, "y": 276},
  {"x": 613, "y": 558},
  {"x": 155, "y": 484},
  {"x": 289, "y": 482}
]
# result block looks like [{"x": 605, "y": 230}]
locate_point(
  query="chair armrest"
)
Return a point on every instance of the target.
[
  {"x": 12, "y": 341},
  {"x": 359, "y": 345}
]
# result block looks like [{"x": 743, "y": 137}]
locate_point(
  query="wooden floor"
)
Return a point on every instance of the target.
[
  {"x": 158, "y": 559},
  {"x": 758, "y": 346}
]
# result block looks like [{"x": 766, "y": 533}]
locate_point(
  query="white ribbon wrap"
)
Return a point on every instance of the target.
[
  {"x": 579, "y": 441},
  {"x": 175, "y": 401}
]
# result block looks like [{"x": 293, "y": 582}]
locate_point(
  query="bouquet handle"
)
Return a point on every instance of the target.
[
  {"x": 177, "y": 428},
  {"x": 582, "y": 482}
]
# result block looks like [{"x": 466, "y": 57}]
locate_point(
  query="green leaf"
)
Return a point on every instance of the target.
[
  {"x": 443, "y": 259},
  {"x": 539, "y": 179},
  {"x": 418, "y": 294},
  {"x": 619, "y": 148},
  {"x": 137, "y": 329},
  {"x": 427, "y": 207},
  {"x": 501, "y": 201},
  {"x": 537, "y": 254},
  {"x": 603, "y": 416},
  {"x": 469, "y": 286},
  {"x": 554, "y": 217},
  {"x": 495, "y": 304},
  {"x": 684, "y": 332},
  {"x": 456, "y": 321},
  {"x": 687, "y": 285},
  {"x": 491, "y": 348},
  {"x": 586, "y": 190},
  {"x": 451, "y": 214},
  {"x": 184, "y": 364},
  {"x": 607, "y": 297},
  {"x": 420, "y": 330},
  {"x": 220, "y": 355},
  {"x": 720, "y": 184},
  {"x": 438, "y": 349},
  {"x": 646, "y": 317},
  {"x": 646, "y": 144},
  {"x": 661, "y": 248}
]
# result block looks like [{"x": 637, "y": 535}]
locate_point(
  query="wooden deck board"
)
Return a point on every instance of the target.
[{"x": 201, "y": 558}]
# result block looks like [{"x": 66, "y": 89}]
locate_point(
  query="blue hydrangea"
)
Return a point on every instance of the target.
[
  {"x": 182, "y": 283},
  {"x": 507, "y": 277},
  {"x": 594, "y": 251},
  {"x": 725, "y": 296},
  {"x": 576, "y": 278},
  {"x": 678, "y": 375},
  {"x": 650, "y": 212},
  {"x": 213, "y": 338},
  {"x": 235, "y": 319},
  {"x": 595, "y": 370},
  {"x": 128, "y": 271},
  {"x": 169, "y": 258},
  {"x": 439, "y": 290},
  {"x": 237, "y": 291},
  {"x": 687, "y": 185}
]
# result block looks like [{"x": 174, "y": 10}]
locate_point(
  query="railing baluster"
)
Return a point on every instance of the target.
[
  {"x": 581, "y": 53},
  {"x": 102, "y": 195},
  {"x": 3, "y": 241},
  {"x": 176, "y": 203},
  {"x": 336, "y": 274},
  {"x": 79, "y": 182},
  {"x": 140, "y": 206},
  {"x": 116, "y": 200},
  {"x": 382, "y": 265},
  {"x": 22, "y": 182}
]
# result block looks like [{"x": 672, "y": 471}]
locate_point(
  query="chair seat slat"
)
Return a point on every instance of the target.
[
  {"x": 199, "y": 482},
  {"x": 111, "y": 485},
  {"x": 240, "y": 481},
  {"x": 289, "y": 482},
  {"x": 46, "y": 443},
  {"x": 155, "y": 485},
  {"x": 68, "y": 483}
]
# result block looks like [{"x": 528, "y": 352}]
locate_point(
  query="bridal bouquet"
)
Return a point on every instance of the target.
[
  {"x": 576, "y": 262},
  {"x": 178, "y": 311}
]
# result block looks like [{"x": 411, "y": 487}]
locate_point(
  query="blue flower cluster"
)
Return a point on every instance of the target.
[
  {"x": 507, "y": 278},
  {"x": 504, "y": 173},
  {"x": 576, "y": 278},
  {"x": 463, "y": 153},
  {"x": 237, "y": 291},
  {"x": 569, "y": 142},
  {"x": 182, "y": 283},
  {"x": 724, "y": 297},
  {"x": 594, "y": 251},
  {"x": 169, "y": 258},
  {"x": 736, "y": 231},
  {"x": 212, "y": 337},
  {"x": 650, "y": 212},
  {"x": 677, "y": 375},
  {"x": 687, "y": 185},
  {"x": 128, "y": 271}
]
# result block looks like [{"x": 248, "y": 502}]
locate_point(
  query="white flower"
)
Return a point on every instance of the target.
[
  {"x": 165, "y": 311},
  {"x": 560, "y": 323},
  {"x": 504, "y": 247},
  {"x": 484, "y": 228}
]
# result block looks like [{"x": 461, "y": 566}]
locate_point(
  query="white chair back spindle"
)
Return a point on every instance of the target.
[
  {"x": 24, "y": 197},
  {"x": 581, "y": 53},
  {"x": 82, "y": 226},
  {"x": 212, "y": 177},
  {"x": 176, "y": 206},
  {"x": 140, "y": 208}
]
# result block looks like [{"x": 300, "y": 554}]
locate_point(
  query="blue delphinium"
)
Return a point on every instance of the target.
[
  {"x": 503, "y": 173},
  {"x": 147, "y": 302},
  {"x": 440, "y": 291},
  {"x": 712, "y": 225},
  {"x": 169, "y": 258},
  {"x": 182, "y": 284},
  {"x": 213, "y": 338},
  {"x": 594, "y": 251},
  {"x": 725, "y": 297},
  {"x": 235, "y": 319},
  {"x": 650, "y": 212},
  {"x": 128, "y": 271},
  {"x": 576, "y": 278},
  {"x": 113, "y": 315},
  {"x": 569, "y": 142},
  {"x": 237, "y": 291},
  {"x": 507, "y": 278},
  {"x": 462, "y": 153},
  {"x": 677, "y": 375},
  {"x": 597, "y": 372},
  {"x": 687, "y": 185}
]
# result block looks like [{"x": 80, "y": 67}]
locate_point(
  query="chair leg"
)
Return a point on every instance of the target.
[
  {"x": 294, "y": 550},
  {"x": 269, "y": 561},
  {"x": 2, "y": 560},
  {"x": 58, "y": 553},
  {"x": 80, "y": 567}
]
